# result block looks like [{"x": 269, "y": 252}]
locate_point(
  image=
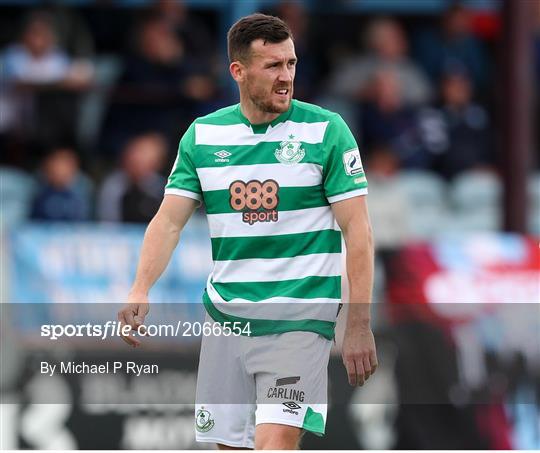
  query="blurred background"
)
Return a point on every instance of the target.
[{"x": 442, "y": 97}]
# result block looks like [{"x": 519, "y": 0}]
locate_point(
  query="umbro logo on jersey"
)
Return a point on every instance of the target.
[{"x": 222, "y": 156}]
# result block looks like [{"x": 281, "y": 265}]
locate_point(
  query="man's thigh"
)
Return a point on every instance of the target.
[
  {"x": 270, "y": 436},
  {"x": 291, "y": 378},
  {"x": 225, "y": 399}
]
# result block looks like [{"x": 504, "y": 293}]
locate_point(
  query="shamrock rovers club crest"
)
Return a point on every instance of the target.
[
  {"x": 290, "y": 151},
  {"x": 203, "y": 421}
]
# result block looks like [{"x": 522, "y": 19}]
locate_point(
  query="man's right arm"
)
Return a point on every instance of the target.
[{"x": 160, "y": 240}]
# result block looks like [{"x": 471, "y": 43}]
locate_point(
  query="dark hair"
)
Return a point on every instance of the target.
[{"x": 250, "y": 28}]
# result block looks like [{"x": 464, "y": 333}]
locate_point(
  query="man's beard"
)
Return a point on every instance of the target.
[{"x": 264, "y": 103}]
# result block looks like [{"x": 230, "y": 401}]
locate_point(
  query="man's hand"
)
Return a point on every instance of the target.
[
  {"x": 359, "y": 354},
  {"x": 159, "y": 242},
  {"x": 133, "y": 314}
]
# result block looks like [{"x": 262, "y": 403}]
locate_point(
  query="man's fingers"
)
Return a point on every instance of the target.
[
  {"x": 374, "y": 362},
  {"x": 367, "y": 367},
  {"x": 351, "y": 371},
  {"x": 129, "y": 339},
  {"x": 360, "y": 373},
  {"x": 128, "y": 317}
]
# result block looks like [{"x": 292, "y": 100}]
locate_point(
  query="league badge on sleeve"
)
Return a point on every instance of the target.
[{"x": 352, "y": 162}]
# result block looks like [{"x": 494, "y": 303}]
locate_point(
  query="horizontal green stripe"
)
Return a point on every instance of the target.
[
  {"x": 260, "y": 327},
  {"x": 290, "y": 198},
  {"x": 262, "y": 153},
  {"x": 279, "y": 246},
  {"x": 304, "y": 288}
]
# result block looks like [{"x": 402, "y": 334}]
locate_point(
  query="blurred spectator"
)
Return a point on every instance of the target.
[
  {"x": 388, "y": 120},
  {"x": 193, "y": 32},
  {"x": 73, "y": 33},
  {"x": 36, "y": 59},
  {"x": 387, "y": 45},
  {"x": 459, "y": 132},
  {"x": 453, "y": 43},
  {"x": 161, "y": 88},
  {"x": 64, "y": 193},
  {"x": 40, "y": 78},
  {"x": 134, "y": 192}
]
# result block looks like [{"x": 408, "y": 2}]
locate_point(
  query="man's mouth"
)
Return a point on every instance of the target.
[{"x": 282, "y": 92}]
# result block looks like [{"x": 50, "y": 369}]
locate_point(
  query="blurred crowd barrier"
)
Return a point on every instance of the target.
[{"x": 457, "y": 321}]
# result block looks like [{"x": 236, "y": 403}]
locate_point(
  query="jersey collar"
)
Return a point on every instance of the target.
[{"x": 263, "y": 127}]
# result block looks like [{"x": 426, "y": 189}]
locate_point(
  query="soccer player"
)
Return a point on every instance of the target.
[{"x": 275, "y": 175}]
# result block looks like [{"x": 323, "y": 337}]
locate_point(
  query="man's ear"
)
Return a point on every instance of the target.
[{"x": 237, "y": 71}]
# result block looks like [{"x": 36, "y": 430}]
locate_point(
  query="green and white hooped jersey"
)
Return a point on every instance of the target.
[{"x": 267, "y": 191}]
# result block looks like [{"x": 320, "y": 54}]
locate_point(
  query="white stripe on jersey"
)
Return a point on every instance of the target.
[
  {"x": 347, "y": 195},
  {"x": 184, "y": 193},
  {"x": 277, "y": 269},
  {"x": 241, "y": 134},
  {"x": 298, "y": 175},
  {"x": 290, "y": 222}
]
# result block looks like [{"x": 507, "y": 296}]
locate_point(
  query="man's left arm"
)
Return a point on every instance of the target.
[{"x": 359, "y": 353}]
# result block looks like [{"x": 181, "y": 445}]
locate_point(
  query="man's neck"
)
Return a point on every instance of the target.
[{"x": 254, "y": 115}]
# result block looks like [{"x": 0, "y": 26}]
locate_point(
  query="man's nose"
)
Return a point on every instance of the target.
[{"x": 285, "y": 75}]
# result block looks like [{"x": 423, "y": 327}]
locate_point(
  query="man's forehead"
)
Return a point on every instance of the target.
[{"x": 269, "y": 50}]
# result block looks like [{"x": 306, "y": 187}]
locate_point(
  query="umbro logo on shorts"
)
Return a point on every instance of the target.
[{"x": 291, "y": 405}]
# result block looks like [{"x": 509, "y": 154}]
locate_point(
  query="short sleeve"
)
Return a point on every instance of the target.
[
  {"x": 183, "y": 179},
  {"x": 342, "y": 168}
]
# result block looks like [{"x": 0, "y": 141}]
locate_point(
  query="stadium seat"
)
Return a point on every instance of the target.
[
  {"x": 425, "y": 189},
  {"x": 389, "y": 212},
  {"x": 426, "y": 195},
  {"x": 476, "y": 201},
  {"x": 16, "y": 192},
  {"x": 483, "y": 220},
  {"x": 474, "y": 190}
]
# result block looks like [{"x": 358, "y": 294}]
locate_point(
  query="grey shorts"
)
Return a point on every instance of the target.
[{"x": 245, "y": 381}]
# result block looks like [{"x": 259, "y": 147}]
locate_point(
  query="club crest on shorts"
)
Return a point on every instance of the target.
[
  {"x": 290, "y": 151},
  {"x": 203, "y": 421}
]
